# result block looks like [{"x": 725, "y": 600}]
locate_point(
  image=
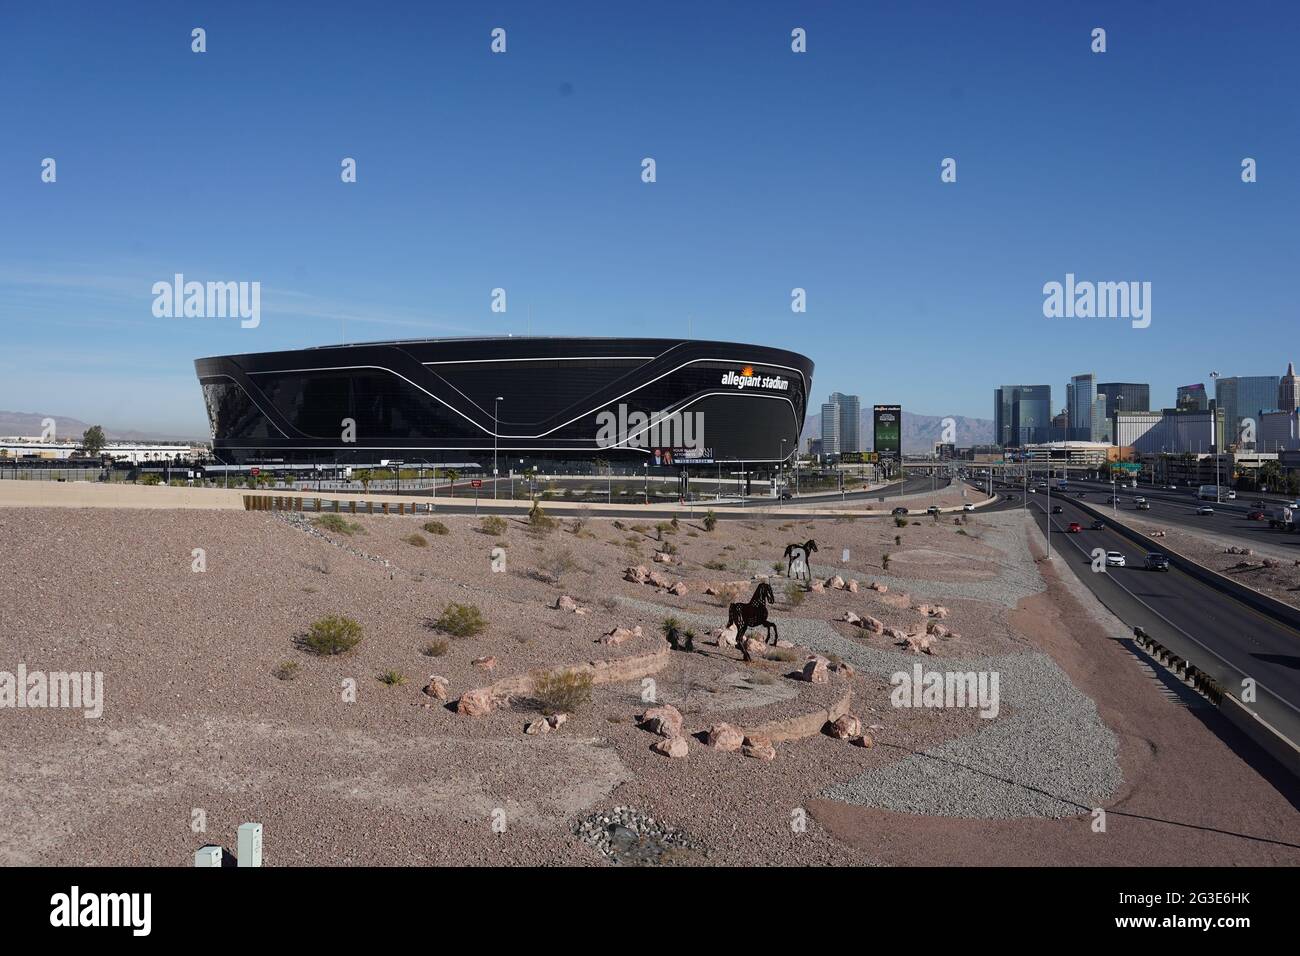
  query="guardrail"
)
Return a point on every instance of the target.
[{"x": 334, "y": 505}]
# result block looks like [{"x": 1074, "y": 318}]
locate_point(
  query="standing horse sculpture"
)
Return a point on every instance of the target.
[
  {"x": 753, "y": 614},
  {"x": 798, "y": 557}
]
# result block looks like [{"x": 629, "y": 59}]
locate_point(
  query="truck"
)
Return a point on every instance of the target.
[
  {"x": 1282, "y": 518},
  {"x": 1208, "y": 492}
]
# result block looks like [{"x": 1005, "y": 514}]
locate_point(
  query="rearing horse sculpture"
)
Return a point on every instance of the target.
[
  {"x": 798, "y": 557},
  {"x": 745, "y": 616}
]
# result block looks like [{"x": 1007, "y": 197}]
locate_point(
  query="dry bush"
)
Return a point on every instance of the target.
[
  {"x": 461, "y": 620},
  {"x": 331, "y": 635},
  {"x": 435, "y": 527},
  {"x": 561, "y": 692}
]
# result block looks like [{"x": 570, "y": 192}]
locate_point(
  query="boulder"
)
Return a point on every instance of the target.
[
  {"x": 752, "y": 648},
  {"x": 836, "y": 582},
  {"x": 664, "y": 720},
  {"x": 638, "y": 574},
  {"x": 939, "y": 611},
  {"x": 661, "y": 558},
  {"x": 852, "y": 585},
  {"x": 726, "y": 636},
  {"x": 924, "y": 609},
  {"x": 877, "y": 586},
  {"x": 671, "y": 747},
  {"x": 815, "y": 671},
  {"x": 844, "y": 727},
  {"x": 475, "y": 703},
  {"x": 437, "y": 687},
  {"x": 539, "y": 726},
  {"x": 937, "y": 629},
  {"x": 873, "y": 625},
  {"x": 556, "y": 719},
  {"x": 725, "y": 737},
  {"x": 844, "y": 669},
  {"x": 851, "y": 618},
  {"x": 760, "y": 748},
  {"x": 862, "y": 741},
  {"x": 817, "y": 587},
  {"x": 679, "y": 589},
  {"x": 619, "y": 634},
  {"x": 565, "y": 603},
  {"x": 658, "y": 580}
]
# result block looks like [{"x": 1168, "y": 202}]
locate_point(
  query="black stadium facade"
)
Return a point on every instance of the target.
[{"x": 669, "y": 403}]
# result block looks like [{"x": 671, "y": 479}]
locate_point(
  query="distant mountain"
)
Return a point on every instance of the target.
[
  {"x": 29, "y": 423},
  {"x": 920, "y": 432}
]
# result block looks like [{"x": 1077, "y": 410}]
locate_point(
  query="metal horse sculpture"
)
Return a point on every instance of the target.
[
  {"x": 798, "y": 557},
  {"x": 753, "y": 614}
]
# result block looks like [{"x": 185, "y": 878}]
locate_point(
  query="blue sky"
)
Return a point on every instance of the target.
[{"x": 522, "y": 171}]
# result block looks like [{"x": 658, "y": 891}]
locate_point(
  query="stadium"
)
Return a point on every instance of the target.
[{"x": 467, "y": 402}]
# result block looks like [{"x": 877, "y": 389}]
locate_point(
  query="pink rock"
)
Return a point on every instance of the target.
[
  {"x": 566, "y": 603},
  {"x": 939, "y": 611},
  {"x": 815, "y": 672},
  {"x": 662, "y": 558},
  {"x": 637, "y": 574},
  {"x": 665, "y": 720},
  {"x": 759, "y": 748},
  {"x": 877, "y": 586},
  {"x": 487, "y": 663},
  {"x": 844, "y": 669},
  {"x": 836, "y": 582},
  {"x": 844, "y": 727},
  {"x": 873, "y": 625},
  {"x": 817, "y": 587},
  {"x": 923, "y": 608},
  {"x": 475, "y": 703},
  {"x": 725, "y": 737},
  {"x": 671, "y": 747},
  {"x": 556, "y": 719},
  {"x": 437, "y": 687},
  {"x": 853, "y": 585},
  {"x": 537, "y": 727},
  {"x": 752, "y": 648},
  {"x": 726, "y": 636},
  {"x": 679, "y": 589},
  {"x": 937, "y": 629},
  {"x": 851, "y": 618},
  {"x": 620, "y": 634},
  {"x": 862, "y": 741}
]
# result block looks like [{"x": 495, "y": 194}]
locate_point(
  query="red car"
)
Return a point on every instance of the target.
[
  {"x": 1255, "y": 516},
  {"x": 1074, "y": 527}
]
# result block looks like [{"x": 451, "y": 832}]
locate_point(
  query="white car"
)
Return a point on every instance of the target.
[
  {"x": 1231, "y": 496},
  {"x": 1205, "y": 510},
  {"x": 1115, "y": 559},
  {"x": 968, "y": 507}
]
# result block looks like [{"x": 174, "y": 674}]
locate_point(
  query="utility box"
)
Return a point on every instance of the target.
[
  {"x": 250, "y": 844},
  {"x": 208, "y": 856}
]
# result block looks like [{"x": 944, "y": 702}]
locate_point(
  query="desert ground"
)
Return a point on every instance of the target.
[{"x": 216, "y": 711}]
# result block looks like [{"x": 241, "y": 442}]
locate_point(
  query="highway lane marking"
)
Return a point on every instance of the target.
[{"x": 1194, "y": 640}]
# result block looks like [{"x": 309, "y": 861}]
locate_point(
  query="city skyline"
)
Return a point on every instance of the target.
[{"x": 524, "y": 172}]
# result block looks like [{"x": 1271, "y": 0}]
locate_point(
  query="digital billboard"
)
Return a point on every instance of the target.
[{"x": 887, "y": 429}]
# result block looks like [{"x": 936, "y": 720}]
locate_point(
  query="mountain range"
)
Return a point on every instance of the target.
[{"x": 29, "y": 424}]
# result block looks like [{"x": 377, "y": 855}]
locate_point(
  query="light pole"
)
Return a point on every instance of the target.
[
  {"x": 1218, "y": 495},
  {"x": 647, "y": 481},
  {"x": 495, "y": 444}
]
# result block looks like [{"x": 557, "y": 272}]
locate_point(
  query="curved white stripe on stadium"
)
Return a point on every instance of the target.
[{"x": 383, "y": 368}]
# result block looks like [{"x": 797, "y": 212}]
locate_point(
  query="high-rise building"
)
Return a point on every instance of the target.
[
  {"x": 1022, "y": 415},
  {"x": 1171, "y": 431},
  {"x": 1242, "y": 397},
  {"x": 1125, "y": 397},
  {"x": 850, "y": 416},
  {"x": 1192, "y": 396},
  {"x": 1080, "y": 395},
  {"x": 1278, "y": 431},
  {"x": 1288, "y": 390},
  {"x": 1100, "y": 423},
  {"x": 830, "y": 429}
]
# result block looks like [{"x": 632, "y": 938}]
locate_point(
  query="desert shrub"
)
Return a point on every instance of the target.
[
  {"x": 900, "y": 521},
  {"x": 562, "y": 692},
  {"x": 493, "y": 525},
  {"x": 577, "y": 525},
  {"x": 781, "y": 654},
  {"x": 416, "y": 540},
  {"x": 710, "y": 520},
  {"x": 461, "y": 620},
  {"x": 150, "y": 479},
  {"x": 716, "y": 565},
  {"x": 436, "y": 648},
  {"x": 668, "y": 548},
  {"x": 558, "y": 563},
  {"x": 335, "y": 634},
  {"x": 435, "y": 527},
  {"x": 338, "y": 524},
  {"x": 539, "y": 521},
  {"x": 286, "y": 670},
  {"x": 793, "y": 594},
  {"x": 778, "y": 566},
  {"x": 392, "y": 678}
]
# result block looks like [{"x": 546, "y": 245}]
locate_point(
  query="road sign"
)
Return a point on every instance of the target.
[
  {"x": 476, "y": 483},
  {"x": 255, "y": 471}
]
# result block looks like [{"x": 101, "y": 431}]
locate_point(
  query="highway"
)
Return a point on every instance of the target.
[
  {"x": 1178, "y": 508},
  {"x": 1254, "y": 644}
]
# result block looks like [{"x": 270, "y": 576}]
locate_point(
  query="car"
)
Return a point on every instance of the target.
[
  {"x": 1257, "y": 504},
  {"x": 1099, "y": 526},
  {"x": 1115, "y": 559},
  {"x": 1079, "y": 494},
  {"x": 1138, "y": 499},
  {"x": 1254, "y": 516},
  {"x": 1074, "y": 528},
  {"x": 897, "y": 512},
  {"x": 1205, "y": 510},
  {"x": 1172, "y": 487},
  {"x": 1155, "y": 561},
  {"x": 968, "y": 507},
  {"x": 1144, "y": 506},
  {"x": 1231, "y": 495},
  {"x": 1056, "y": 509},
  {"x": 785, "y": 496}
]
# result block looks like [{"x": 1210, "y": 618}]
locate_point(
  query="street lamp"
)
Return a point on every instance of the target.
[
  {"x": 1214, "y": 421},
  {"x": 495, "y": 444}
]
